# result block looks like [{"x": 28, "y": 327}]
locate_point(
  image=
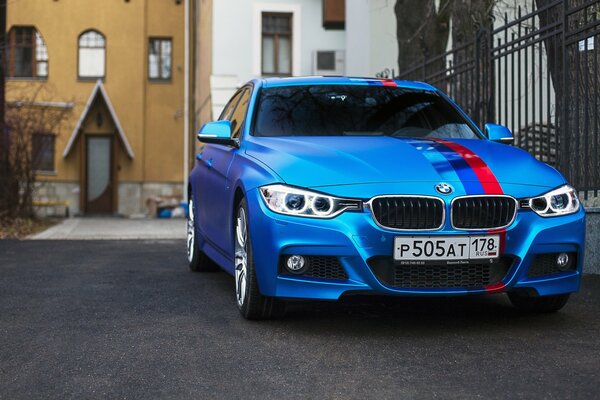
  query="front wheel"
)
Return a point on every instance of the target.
[
  {"x": 251, "y": 303},
  {"x": 541, "y": 304}
]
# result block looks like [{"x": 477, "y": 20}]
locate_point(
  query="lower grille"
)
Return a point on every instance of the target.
[
  {"x": 439, "y": 276},
  {"x": 545, "y": 264},
  {"x": 483, "y": 212},
  {"x": 405, "y": 212},
  {"x": 323, "y": 267}
]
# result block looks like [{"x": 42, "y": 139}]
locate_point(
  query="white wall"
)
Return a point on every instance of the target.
[
  {"x": 371, "y": 44},
  {"x": 237, "y": 25},
  {"x": 358, "y": 43},
  {"x": 236, "y": 39},
  {"x": 384, "y": 45}
]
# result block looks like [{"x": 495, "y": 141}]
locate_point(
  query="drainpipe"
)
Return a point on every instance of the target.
[{"x": 186, "y": 99}]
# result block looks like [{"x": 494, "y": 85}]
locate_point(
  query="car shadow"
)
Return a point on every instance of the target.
[{"x": 376, "y": 315}]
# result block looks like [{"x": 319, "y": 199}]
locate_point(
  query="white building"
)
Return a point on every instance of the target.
[
  {"x": 371, "y": 44},
  {"x": 253, "y": 38}
]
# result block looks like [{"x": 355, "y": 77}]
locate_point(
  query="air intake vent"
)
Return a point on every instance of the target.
[
  {"x": 439, "y": 276},
  {"x": 408, "y": 213},
  {"x": 483, "y": 212}
]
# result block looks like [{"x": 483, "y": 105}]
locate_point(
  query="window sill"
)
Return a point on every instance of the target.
[
  {"x": 90, "y": 78},
  {"x": 26, "y": 78},
  {"x": 158, "y": 80},
  {"x": 276, "y": 75},
  {"x": 46, "y": 173}
]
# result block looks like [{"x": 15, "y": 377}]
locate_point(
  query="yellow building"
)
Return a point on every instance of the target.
[{"x": 117, "y": 68}]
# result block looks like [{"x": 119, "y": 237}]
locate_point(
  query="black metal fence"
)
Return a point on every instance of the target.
[{"x": 535, "y": 70}]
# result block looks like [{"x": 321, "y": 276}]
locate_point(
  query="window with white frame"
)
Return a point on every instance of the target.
[
  {"x": 92, "y": 55},
  {"x": 276, "y": 43}
]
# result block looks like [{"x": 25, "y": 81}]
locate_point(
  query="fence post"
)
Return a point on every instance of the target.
[
  {"x": 491, "y": 78},
  {"x": 478, "y": 78},
  {"x": 562, "y": 125}
]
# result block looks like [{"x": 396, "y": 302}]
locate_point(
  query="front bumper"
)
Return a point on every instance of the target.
[{"x": 354, "y": 238}]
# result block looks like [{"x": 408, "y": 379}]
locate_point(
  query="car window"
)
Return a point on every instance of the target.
[
  {"x": 239, "y": 114},
  {"x": 357, "y": 110},
  {"x": 226, "y": 113}
]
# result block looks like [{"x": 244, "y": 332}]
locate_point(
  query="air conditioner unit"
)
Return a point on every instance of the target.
[{"x": 329, "y": 62}]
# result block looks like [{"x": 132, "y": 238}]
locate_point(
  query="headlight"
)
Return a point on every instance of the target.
[
  {"x": 289, "y": 200},
  {"x": 559, "y": 201}
]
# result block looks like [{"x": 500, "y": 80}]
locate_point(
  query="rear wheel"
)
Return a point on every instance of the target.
[
  {"x": 540, "y": 304},
  {"x": 198, "y": 261},
  {"x": 251, "y": 303}
]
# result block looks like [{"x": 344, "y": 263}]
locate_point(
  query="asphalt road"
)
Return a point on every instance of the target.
[{"x": 126, "y": 319}]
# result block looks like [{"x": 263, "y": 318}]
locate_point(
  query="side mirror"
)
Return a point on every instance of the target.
[
  {"x": 499, "y": 133},
  {"x": 218, "y": 132}
]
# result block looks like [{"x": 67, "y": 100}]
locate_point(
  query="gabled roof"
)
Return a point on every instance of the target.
[{"x": 98, "y": 90}]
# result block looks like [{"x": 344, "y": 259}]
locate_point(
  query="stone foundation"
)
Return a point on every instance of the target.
[
  {"x": 132, "y": 197},
  {"x": 56, "y": 192},
  {"x": 592, "y": 241}
]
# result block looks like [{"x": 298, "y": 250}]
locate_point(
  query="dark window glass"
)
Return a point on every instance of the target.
[
  {"x": 276, "y": 44},
  {"x": 27, "y": 53},
  {"x": 348, "y": 110},
  {"x": 42, "y": 148},
  {"x": 159, "y": 59},
  {"x": 239, "y": 114}
]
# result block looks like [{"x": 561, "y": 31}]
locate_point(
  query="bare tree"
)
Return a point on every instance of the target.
[
  {"x": 575, "y": 75},
  {"x": 421, "y": 30},
  {"x": 23, "y": 120},
  {"x": 471, "y": 40}
]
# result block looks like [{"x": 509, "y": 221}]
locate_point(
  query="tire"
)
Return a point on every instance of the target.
[
  {"x": 539, "y": 304},
  {"x": 198, "y": 261},
  {"x": 250, "y": 302}
]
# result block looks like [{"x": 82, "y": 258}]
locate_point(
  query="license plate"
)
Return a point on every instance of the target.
[{"x": 451, "y": 248}]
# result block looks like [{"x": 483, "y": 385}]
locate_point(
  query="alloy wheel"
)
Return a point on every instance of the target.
[
  {"x": 241, "y": 256},
  {"x": 191, "y": 234}
]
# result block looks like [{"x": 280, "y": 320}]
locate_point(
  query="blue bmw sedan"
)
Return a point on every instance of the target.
[{"x": 319, "y": 187}]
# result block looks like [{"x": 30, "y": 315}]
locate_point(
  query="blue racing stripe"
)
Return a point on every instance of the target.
[
  {"x": 464, "y": 171},
  {"x": 450, "y": 165},
  {"x": 438, "y": 161}
]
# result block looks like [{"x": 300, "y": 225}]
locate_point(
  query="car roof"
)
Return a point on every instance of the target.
[{"x": 343, "y": 80}]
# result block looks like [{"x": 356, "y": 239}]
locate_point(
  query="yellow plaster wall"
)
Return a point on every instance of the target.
[{"x": 150, "y": 113}]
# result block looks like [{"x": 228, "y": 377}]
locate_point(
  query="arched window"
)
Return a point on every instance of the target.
[
  {"x": 27, "y": 54},
  {"x": 92, "y": 55}
]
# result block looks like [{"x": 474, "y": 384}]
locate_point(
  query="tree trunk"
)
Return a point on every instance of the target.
[
  {"x": 576, "y": 103},
  {"x": 3, "y": 135},
  {"x": 471, "y": 40},
  {"x": 422, "y": 33}
]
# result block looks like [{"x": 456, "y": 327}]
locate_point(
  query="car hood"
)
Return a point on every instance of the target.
[{"x": 332, "y": 161}]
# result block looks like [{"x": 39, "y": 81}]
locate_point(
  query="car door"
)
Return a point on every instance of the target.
[{"x": 214, "y": 187}]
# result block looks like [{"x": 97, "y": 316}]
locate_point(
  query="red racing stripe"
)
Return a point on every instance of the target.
[
  {"x": 490, "y": 186},
  {"x": 389, "y": 82},
  {"x": 496, "y": 287},
  {"x": 482, "y": 171}
]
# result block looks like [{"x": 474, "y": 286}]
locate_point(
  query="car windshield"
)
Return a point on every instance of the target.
[{"x": 357, "y": 110}]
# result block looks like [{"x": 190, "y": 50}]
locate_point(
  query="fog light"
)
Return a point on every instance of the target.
[
  {"x": 295, "y": 263},
  {"x": 562, "y": 261}
]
